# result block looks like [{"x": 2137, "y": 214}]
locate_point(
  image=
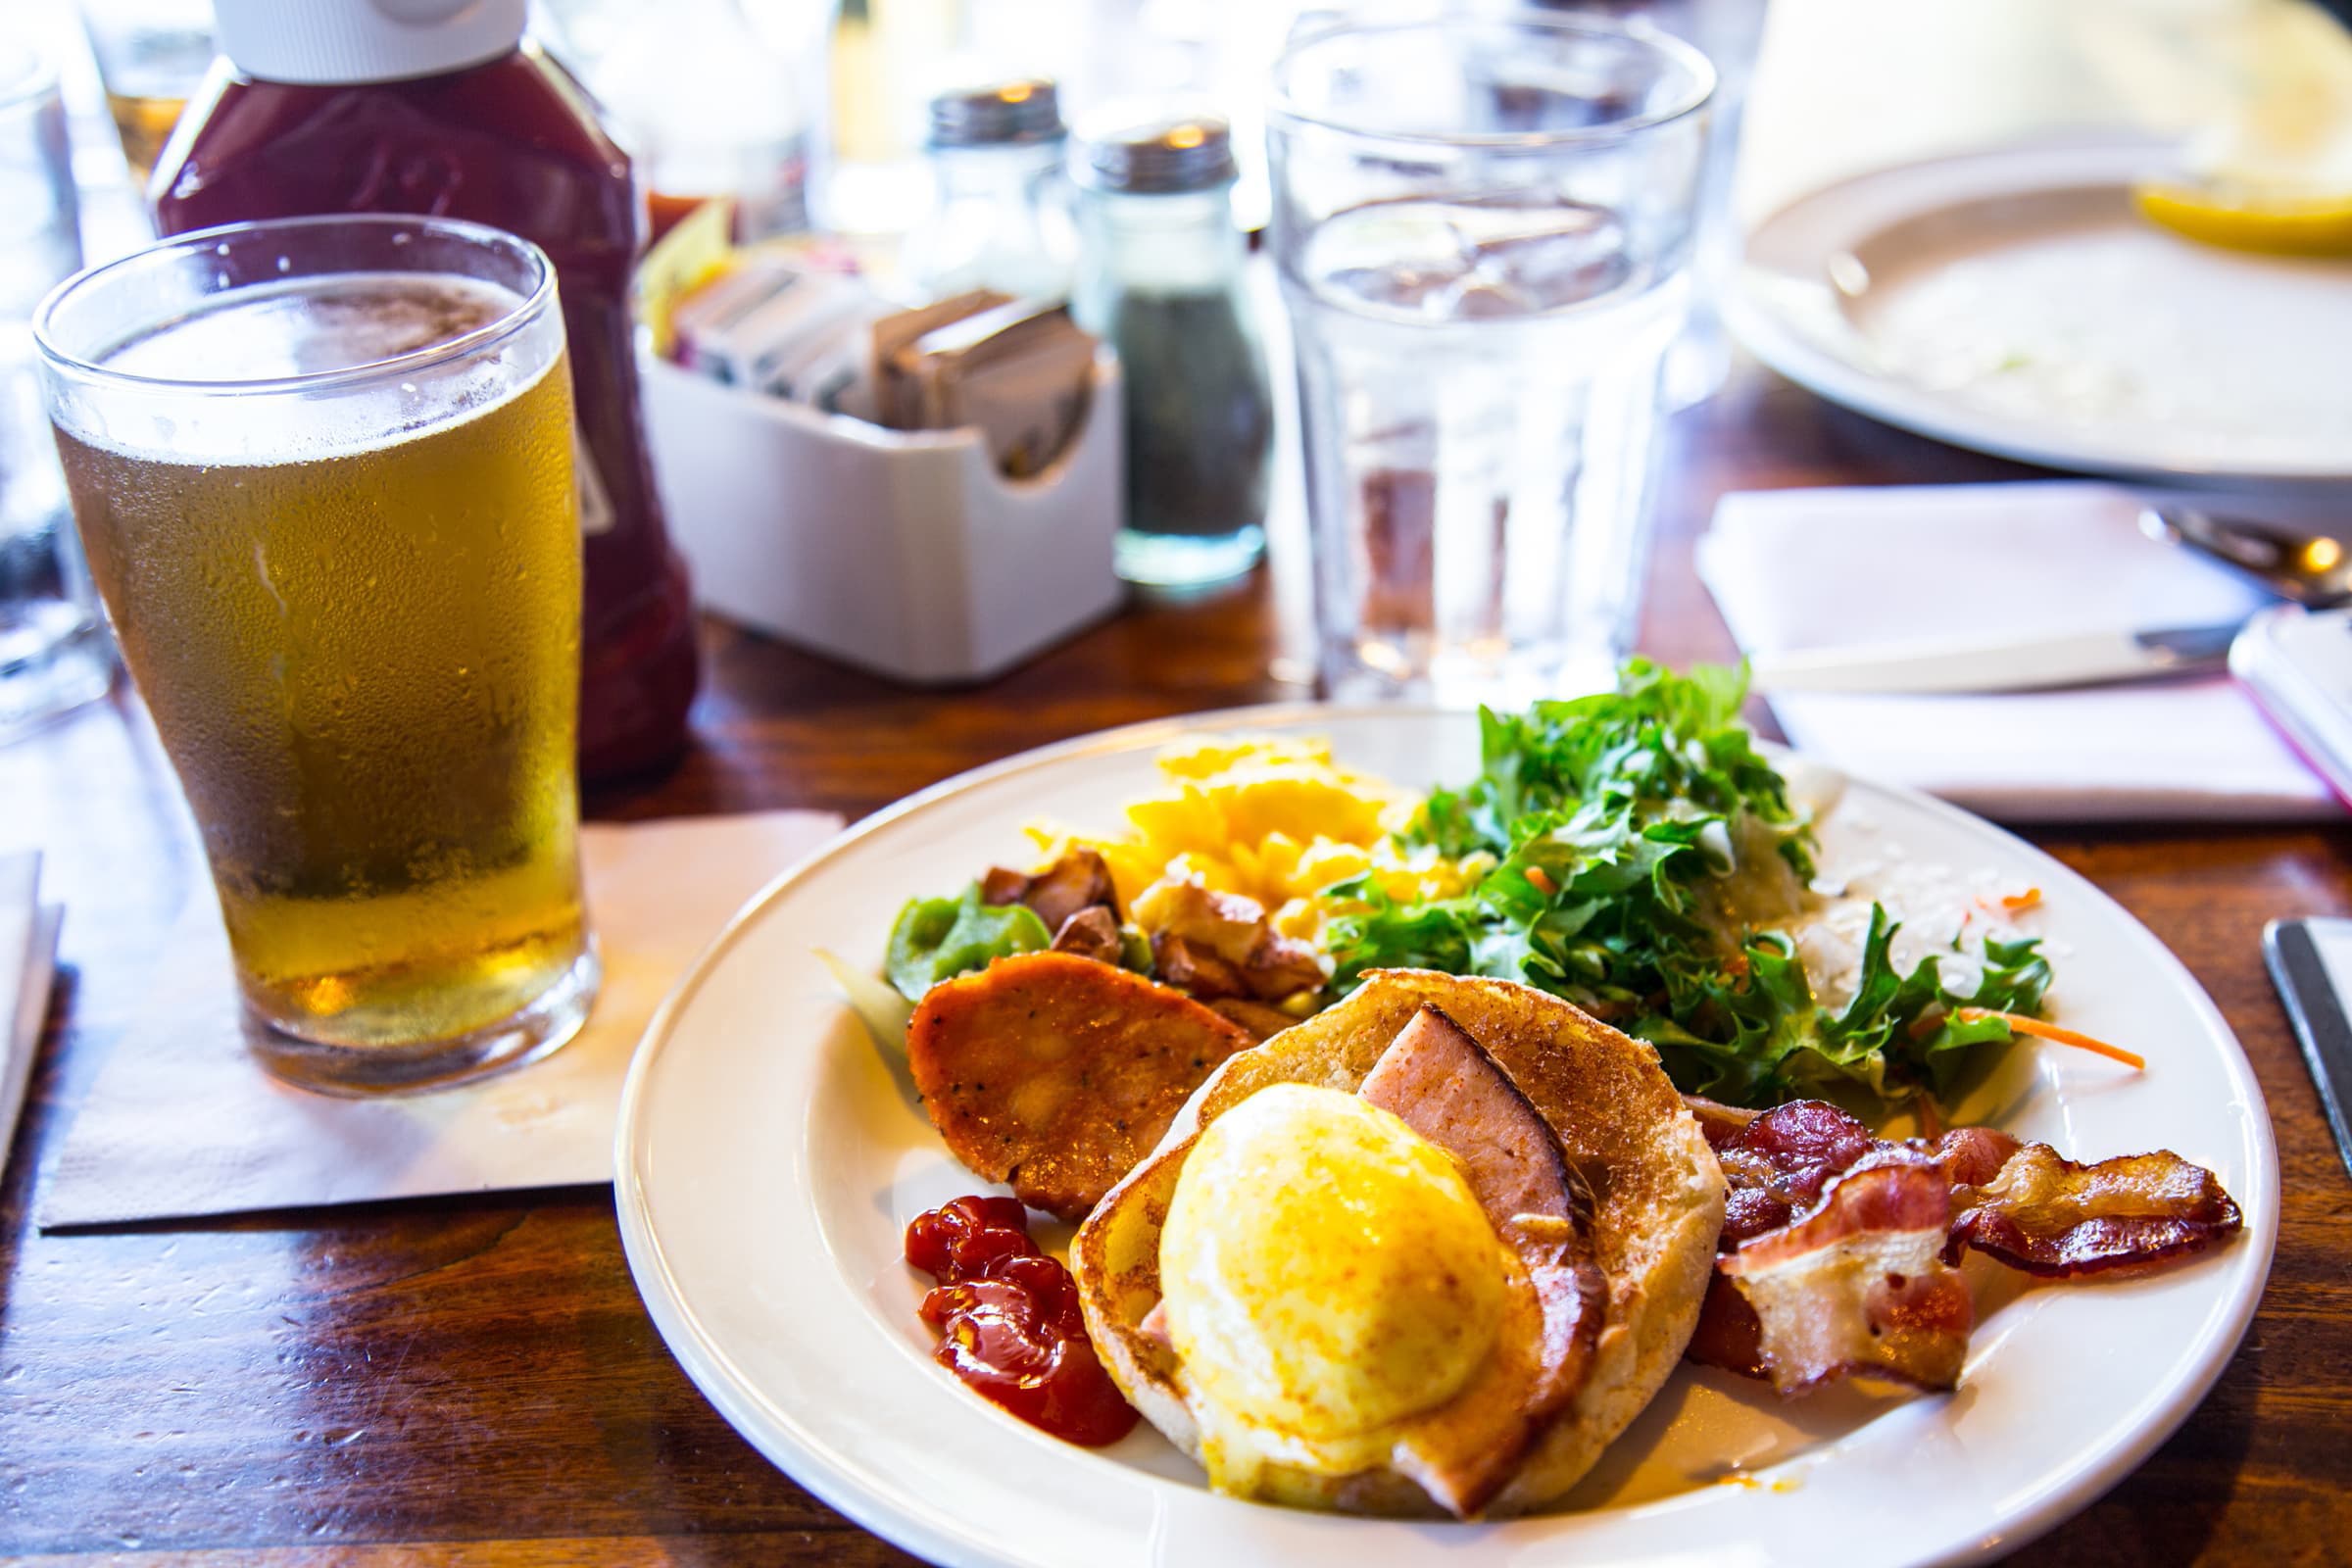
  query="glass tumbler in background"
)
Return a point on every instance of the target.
[
  {"x": 1483, "y": 230},
  {"x": 152, "y": 56},
  {"x": 54, "y": 652},
  {"x": 1728, "y": 32},
  {"x": 323, "y": 468}
]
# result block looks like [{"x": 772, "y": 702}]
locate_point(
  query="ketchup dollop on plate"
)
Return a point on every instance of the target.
[{"x": 1009, "y": 1321}]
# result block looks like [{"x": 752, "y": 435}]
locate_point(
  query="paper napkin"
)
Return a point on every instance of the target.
[
  {"x": 1795, "y": 569},
  {"x": 181, "y": 1120},
  {"x": 28, "y": 963}
]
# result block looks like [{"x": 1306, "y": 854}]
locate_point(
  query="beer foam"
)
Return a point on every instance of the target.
[
  {"x": 276, "y": 333},
  {"x": 311, "y": 327}
]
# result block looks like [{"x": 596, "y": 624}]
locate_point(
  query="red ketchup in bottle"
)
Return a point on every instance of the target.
[
  {"x": 439, "y": 107},
  {"x": 1009, "y": 1321}
]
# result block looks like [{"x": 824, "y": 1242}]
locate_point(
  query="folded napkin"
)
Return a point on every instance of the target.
[
  {"x": 1797, "y": 569},
  {"x": 28, "y": 963},
  {"x": 181, "y": 1121}
]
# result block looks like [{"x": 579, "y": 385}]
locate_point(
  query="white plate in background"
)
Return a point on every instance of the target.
[
  {"x": 2015, "y": 301},
  {"x": 769, "y": 1159}
]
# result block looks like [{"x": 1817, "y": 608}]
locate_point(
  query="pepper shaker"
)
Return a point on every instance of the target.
[{"x": 1159, "y": 277}]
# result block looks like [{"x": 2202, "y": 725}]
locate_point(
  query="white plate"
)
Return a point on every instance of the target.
[
  {"x": 770, "y": 1160},
  {"x": 2013, "y": 301}
]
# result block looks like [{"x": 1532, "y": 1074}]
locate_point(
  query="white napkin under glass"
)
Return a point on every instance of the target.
[{"x": 180, "y": 1119}]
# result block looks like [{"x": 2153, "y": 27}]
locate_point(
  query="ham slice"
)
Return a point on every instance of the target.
[{"x": 1438, "y": 1081}]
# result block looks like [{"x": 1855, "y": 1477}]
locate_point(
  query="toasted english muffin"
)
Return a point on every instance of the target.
[{"x": 1657, "y": 1197}]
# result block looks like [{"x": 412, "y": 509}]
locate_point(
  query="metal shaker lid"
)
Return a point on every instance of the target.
[
  {"x": 1154, "y": 153},
  {"x": 1025, "y": 111}
]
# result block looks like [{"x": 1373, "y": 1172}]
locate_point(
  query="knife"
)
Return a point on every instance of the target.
[
  {"x": 1951, "y": 666},
  {"x": 2311, "y": 963}
]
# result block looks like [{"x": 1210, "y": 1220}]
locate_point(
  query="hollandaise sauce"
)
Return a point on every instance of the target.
[{"x": 1009, "y": 1321}]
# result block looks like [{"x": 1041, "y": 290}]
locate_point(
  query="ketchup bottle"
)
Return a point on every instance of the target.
[{"x": 438, "y": 106}]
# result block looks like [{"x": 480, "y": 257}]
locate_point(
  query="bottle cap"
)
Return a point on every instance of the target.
[
  {"x": 324, "y": 42},
  {"x": 1162, "y": 154},
  {"x": 1027, "y": 110}
]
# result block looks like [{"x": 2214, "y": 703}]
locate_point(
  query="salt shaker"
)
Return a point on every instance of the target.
[
  {"x": 998, "y": 219},
  {"x": 1160, "y": 277}
]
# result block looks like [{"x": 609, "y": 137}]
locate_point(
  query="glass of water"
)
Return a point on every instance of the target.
[
  {"x": 54, "y": 652},
  {"x": 1485, "y": 231}
]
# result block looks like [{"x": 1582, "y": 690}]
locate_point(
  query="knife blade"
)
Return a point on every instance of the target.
[
  {"x": 2311, "y": 963},
  {"x": 1974, "y": 664}
]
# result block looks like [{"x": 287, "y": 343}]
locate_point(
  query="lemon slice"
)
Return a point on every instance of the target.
[{"x": 2250, "y": 219}]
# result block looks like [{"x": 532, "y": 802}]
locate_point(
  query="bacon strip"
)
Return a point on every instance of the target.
[
  {"x": 1859, "y": 1284},
  {"x": 2050, "y": 1217},
  {"x": 1778, "y": 1165},
  {"x": 1822, "y": 1269}
]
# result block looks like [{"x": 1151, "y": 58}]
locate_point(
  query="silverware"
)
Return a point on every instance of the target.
[
  {"x": 2311, "y": 569},
  {"x": 2311, "y": 963},
  {"x": 1948, "y": 666}
]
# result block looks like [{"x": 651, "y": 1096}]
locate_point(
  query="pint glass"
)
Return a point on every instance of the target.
[{"x": 322, "y": 469}]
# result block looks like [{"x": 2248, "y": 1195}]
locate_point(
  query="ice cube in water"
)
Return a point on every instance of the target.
[{"x": 1457, "y": 261}]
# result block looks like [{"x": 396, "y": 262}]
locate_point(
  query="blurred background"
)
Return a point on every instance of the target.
[
  {"x": 761, "y": 95},
  {"x": 920, "y": 145}
]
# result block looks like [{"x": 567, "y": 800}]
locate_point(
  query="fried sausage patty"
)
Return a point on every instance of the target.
[{"x": 1058, "y": 1074}]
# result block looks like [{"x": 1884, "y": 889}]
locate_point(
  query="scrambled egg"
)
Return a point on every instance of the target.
[{"x": 1274, "y": 821}]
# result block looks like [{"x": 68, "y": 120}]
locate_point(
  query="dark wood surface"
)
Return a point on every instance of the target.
[{"x": 475, "y": 1380}]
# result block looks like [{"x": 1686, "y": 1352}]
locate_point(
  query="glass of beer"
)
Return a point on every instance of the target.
[{"x": 322, "y": 470}]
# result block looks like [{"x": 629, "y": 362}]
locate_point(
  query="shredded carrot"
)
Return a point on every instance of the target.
[
  {"x": 2017, "y": 902},
  {"x": 1540, "y": 880},
  {"x": 2051, "y": 1032}
]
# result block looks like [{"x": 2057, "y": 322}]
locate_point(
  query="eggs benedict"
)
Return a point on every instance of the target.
[{"x": 1426, "y": 1253}]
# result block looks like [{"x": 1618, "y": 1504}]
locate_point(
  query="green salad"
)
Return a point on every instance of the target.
[{"x": 1635, "y": 835}]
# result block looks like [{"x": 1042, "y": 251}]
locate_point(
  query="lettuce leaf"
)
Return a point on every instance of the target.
[
  {"x": 938, "y": 939},
  {"x": 882, "y": 1008},
  {"x": 1610, "y": 818}
]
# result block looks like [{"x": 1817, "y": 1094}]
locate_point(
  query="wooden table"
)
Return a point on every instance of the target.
[{"x": 475, "y": 1380}]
